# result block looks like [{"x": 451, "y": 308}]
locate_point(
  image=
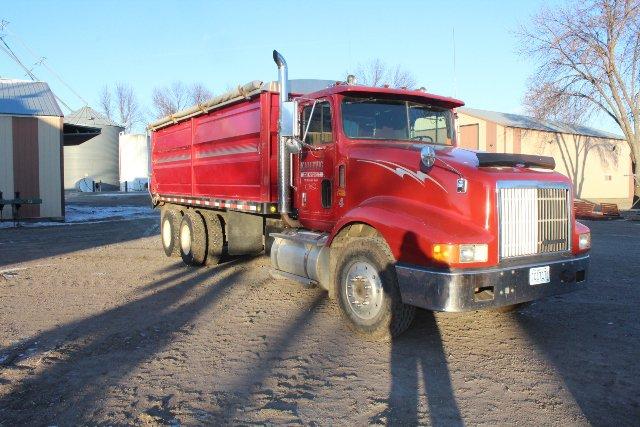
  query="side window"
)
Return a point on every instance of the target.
[{"x": 320, "y": 128}]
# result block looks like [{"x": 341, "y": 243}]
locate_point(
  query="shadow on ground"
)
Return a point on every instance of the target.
[{"x": 120, "y": 338}]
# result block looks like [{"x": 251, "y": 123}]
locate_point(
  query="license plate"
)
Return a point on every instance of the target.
[{"x": 539, "y": 275}]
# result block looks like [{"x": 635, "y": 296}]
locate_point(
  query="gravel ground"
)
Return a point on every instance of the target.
[{"x": 97, "y": 326}]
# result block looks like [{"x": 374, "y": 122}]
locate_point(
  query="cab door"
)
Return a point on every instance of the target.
[{"x": 315, "y": 167}]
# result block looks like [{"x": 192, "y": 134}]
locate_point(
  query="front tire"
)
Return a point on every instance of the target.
[
  {"x": 193, "y": 239},
  {"x": 367, "y": 289}
]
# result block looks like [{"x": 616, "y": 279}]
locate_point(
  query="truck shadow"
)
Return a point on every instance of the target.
[
  {"x": 43, "y": 242},
  {"x": 91, "y": 355},
  {"x": 417, "y": 355},
  {"x": 590, "y": 337},
  {"x": 241, "y": 392}
]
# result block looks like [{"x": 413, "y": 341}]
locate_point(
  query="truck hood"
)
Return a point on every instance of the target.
[
  {"x": 472, "y": 165},
  {"x": 395, "y": 169}
]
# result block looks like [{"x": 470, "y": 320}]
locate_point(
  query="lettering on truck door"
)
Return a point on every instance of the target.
[{"x": 315, "y": 198}]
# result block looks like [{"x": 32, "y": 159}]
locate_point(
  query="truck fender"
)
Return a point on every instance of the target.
[{"x": 410, "y": 228}]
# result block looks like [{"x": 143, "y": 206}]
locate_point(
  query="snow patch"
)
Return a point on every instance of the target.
[{"x": 75, "y": 214}]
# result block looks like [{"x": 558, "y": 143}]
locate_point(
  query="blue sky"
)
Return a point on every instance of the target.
[{"x": 152, "y": 43}]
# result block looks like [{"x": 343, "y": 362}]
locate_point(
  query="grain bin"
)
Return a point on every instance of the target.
[
  {"x": 95, "y": 160},
  {"x": 134, "y": 162}
]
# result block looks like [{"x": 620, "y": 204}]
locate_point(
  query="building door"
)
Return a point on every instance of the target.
[{"x": 469, "y": 136}]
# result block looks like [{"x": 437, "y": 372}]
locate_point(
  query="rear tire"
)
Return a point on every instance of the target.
[
  {"x": 169, "y": 232},
  {"x": 367, "y": 289},
  {"x": 193, "y": 239},
  {"x": 215, "y": 238}
]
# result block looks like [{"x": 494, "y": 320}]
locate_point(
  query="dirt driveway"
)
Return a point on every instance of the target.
[{"x": 97, "y": 326}]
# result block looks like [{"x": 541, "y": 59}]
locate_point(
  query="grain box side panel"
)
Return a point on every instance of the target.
[
  {"x": 171, "y": 160},
  {"x": 227, "y": 153}
]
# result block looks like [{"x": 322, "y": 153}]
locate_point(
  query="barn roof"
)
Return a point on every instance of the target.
[
  {"x": 526, "y": 122},
  {"x": 27, "y": 98}
]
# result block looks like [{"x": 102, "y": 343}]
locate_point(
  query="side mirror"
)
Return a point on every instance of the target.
[
  {"x": 294, "y": 145},
  {"x": 289, "y": 120}
]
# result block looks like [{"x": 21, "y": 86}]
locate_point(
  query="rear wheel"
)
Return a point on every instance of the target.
[
  {"x": 193, "y": 239},
  {"x": 215, "y": 238},
  {"x": 367, "y": 289},
  {"x": 169, "y": 232}
]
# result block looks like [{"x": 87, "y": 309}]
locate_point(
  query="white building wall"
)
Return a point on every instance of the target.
[{"x": 134, "y": 160}]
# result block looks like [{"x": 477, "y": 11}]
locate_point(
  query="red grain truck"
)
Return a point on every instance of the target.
[{"x": 362, "y": 192}]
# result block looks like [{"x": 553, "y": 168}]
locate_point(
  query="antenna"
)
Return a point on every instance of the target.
[{"x": 455, "y": 82}]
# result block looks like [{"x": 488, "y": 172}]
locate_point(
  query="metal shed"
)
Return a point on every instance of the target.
[
  {"x": 597, "y": 162},
  {"x": 31, "y": 141},
  {"x": 95, "y": 160}
]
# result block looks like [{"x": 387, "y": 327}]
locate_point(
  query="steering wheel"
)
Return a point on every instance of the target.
[{"x": 423, "y": 138}]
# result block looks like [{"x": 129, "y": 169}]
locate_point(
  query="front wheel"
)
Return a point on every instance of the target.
[{"x": 367, "y": 289}]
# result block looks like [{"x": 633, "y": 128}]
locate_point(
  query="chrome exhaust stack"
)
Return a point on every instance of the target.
[
  {"x": 284, "y": 166},
  {"x": 286, "y": 133}
]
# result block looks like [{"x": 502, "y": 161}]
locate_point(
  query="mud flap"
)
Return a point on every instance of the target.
[{"x": 244, "y": 233}]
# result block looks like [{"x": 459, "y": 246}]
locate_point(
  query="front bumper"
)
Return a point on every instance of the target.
[{"x": 477, "y": 289}]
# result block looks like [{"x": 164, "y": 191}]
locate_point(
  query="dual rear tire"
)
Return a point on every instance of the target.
[{"x": 194, "y": 236}]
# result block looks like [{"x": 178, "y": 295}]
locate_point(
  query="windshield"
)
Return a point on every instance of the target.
[{"x": 370, "y": 118}]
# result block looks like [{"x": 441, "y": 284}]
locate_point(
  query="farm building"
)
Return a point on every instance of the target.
[
  {"x": 134, "y": 162},
  {"x": 598, "y": 162},
  {"x": 94, "y": 161},
  {"x": 32, "y": 135}
]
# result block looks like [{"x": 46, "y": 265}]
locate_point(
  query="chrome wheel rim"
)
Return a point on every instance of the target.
[
  {"x": 363, "y": 290},
  {"x": 185, "y": 239},
  {"x": 166, "y": 233}
]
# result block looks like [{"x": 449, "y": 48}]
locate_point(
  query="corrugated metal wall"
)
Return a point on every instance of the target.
[
  {"x": 96, "y": 159},
  {"x": 30, "y": 163},
  {"x": 49, "y": 142},
  {"x": 6, "y": 160},
  {"x": 26, "y": 168},
  {"x": 134, "y": 158}
]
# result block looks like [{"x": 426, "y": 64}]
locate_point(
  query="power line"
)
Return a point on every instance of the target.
[
  {"x": 41, "y": 61},
  {"x": 6, "y": 49}
]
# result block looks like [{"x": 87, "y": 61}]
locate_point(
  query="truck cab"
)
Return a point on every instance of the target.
[{"x": 463, "y": 230}]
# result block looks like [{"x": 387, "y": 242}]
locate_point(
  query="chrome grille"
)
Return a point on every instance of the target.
[{"x": 534, "y": 219}]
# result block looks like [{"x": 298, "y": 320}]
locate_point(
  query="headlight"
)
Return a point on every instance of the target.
[
  {"x": 584, "y": 241},
  {"x": 474, "y": 253},
  {"x": 460, "y": 254}
]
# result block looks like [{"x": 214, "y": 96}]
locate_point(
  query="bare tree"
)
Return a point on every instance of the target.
[
  {"x": 170, "y": 99},
  {"x": 199, "y": 93},
  {"x": 574, "y": 150},
  {"x": 588, "y": 56},
  {"x": 377, "y": 73},
  {"x": 121, "y": 105},
  {"x": 127, "y": 106},
  {"x": 106, "y": 103}
]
